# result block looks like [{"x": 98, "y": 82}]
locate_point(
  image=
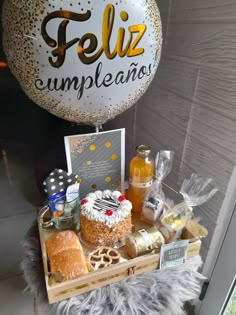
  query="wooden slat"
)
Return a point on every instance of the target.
[
  {"x": 210, "y": 145},
  {"x": 202, "y": 10},
  {"x": 208, "y": 44},
  {"x": 196, "y": 68},
  {"x": 215, "y": 131},
  {"x": 217, "y": 90},
  {"x": 166, "y": 134},
  {"x": 176, "y": 76},
  {"x": 164, "y": 6},
  {"x": 168, "y": 105},
  {"x": 164, "y": 127},
  {"x": 206, "y": 162}
]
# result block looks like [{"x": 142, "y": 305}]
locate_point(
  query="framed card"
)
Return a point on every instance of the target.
[{"x": 98, "y": 159}]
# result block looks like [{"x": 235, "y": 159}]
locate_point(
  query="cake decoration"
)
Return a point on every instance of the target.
[
  {"x": 105, "y": 218},
  {"x": 109, "y": 212},
  {"x": 107, "y": 207}
]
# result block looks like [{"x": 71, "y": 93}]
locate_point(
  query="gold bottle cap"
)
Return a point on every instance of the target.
[{"x": 143, "y": 149}]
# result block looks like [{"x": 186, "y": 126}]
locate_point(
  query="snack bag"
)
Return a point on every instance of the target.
[
  {"x": 154, "y": 200},
  {"x": 195, "y": 191}
]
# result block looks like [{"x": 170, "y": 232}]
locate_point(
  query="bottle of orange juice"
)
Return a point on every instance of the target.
[{"x": 141, "y": 170}]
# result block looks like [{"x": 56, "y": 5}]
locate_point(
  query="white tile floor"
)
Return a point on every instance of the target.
[{"x": 13, "y": 300}]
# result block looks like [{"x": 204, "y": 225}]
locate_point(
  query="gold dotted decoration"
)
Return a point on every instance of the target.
[
  {"x": 78, "y": 91},
  {"x": 114, "y": 157},
  {"x": 92, "y": 147},
  {"x": 108, "y": 179},
  {"x": 108, "y": 145}
]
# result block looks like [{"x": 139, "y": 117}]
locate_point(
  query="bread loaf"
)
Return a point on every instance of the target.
[
  {"x": 62, "y": 241},
  {"x": 70, "y": 263},
  {"x": 65, "y": 255}
]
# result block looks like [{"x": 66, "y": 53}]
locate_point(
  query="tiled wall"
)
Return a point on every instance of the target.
[{"x": 191, "y": 105}]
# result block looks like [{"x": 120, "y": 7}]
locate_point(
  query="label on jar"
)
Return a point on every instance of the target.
[
  {"x": 140, "y": 184},
  {"x": 146, "y": 239}
]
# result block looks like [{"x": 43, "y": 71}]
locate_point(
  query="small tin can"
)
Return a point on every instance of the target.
[{"x": 144, "y": 242}]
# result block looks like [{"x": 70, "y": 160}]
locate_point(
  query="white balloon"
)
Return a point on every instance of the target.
[{"x": 84, "y": 61}]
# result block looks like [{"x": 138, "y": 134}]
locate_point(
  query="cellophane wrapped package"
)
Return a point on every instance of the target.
[
  {"x": 195, "y": 191},
  {"x": 154, "y": 200}
]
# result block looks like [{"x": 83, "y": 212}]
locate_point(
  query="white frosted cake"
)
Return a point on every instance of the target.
[{"x": 105, "y": 218}]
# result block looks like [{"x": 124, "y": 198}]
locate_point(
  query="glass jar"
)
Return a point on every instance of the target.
[{"x": 141, "y": 170}]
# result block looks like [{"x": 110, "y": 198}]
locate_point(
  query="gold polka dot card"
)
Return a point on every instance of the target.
[{"x": 98, "y": 159}]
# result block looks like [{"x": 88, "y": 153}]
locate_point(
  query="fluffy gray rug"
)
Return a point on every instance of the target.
[{"x": 159, "y": 292}]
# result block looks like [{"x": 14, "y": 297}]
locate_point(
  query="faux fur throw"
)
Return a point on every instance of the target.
[{"x": 159, "y": 292}]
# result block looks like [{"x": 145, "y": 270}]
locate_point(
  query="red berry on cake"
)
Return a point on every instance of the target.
[
  {"x": 109, "y": 212},
  {"x": 83, "y": 202},
  {"x": 121, "y": 198}
]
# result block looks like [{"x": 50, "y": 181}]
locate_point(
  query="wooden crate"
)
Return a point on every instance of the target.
[{"x": 96, "y": 279}]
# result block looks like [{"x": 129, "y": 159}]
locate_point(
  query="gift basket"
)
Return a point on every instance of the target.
[{"x": 97, "y": 240}]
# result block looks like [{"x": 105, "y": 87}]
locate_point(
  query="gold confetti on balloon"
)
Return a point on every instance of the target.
[{"x": 68, "y": 61}]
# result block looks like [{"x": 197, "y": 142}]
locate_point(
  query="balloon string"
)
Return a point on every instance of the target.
[{"x": 98, "y": 128}]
